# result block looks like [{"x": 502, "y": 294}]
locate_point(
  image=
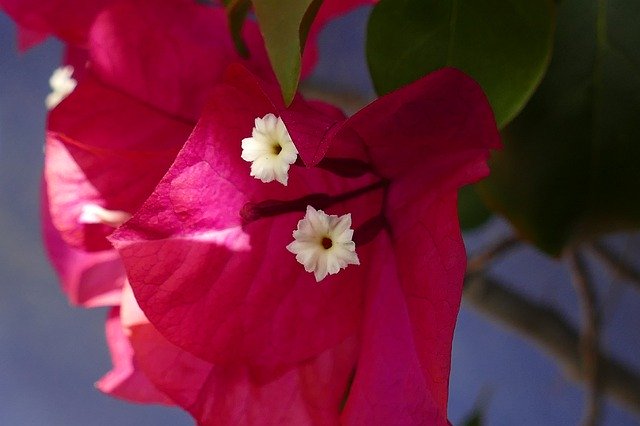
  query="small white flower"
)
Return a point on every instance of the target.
[
  {"x": 61, "y": 86},
  {"x": 95, "y": 214},
  {"x": 270, "y": 150},
  {"x": 324, "y": 243}
]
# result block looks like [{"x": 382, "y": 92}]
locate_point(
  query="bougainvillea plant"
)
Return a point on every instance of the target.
[
  {"x": 212, "y": 245},
  {"x": 267, "y": 259},
  {"x": 272, "y": 262}
]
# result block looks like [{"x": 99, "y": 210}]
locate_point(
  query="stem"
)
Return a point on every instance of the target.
[
  {"x": 616, "y": 264},
  {"x": 481, "y": 262},
  {"x": 549, "y": 331},
  {"x": 590, "y": 336}
]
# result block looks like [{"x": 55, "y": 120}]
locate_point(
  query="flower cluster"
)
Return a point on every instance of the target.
[{"x": 266, "y": 264}]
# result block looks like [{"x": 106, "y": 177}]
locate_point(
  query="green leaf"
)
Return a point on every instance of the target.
[
  {"x": 472, "y": 211},
  {"x": 285, "y": 25},
  {"x": 504, "y": 44},
  {"x": 571, "y": 164},
  {"x": 237, "y": 11}
]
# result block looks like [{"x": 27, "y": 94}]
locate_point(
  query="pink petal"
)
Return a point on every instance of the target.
[
  {"x": 130, "y": 313},
  {"x": 309, "y": 393},
  {"x": 125, "y": 381},
  {"x": 104, "y": 148},
  {"x": 310, "y": 124},
  {"x": 28, "y": 38},
  {"x": 228, "y": 292},
  {"x": 67, "y": 19},
  {"x": 88, "y": 279},
  {"x": 127, "y": 140},
  {"x": 445, "y": 127},
  {"x": 307, "y": 126},
  {"x": 185, "y": 48},
  {"x": 441, "y": 121},
  {"x": 389, "y": 386},
  {"x": 431, "y": 264},
  {"x": 78, "y": 58},
  {"x": 430, "y": 138},
  {"x": 225, "y": 291}
]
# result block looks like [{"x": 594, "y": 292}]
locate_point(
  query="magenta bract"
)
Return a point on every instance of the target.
[
  {"x": 206, "y": 252},
  {"x": 69, "y": 20},
  {"x": 125, "y": 381}
]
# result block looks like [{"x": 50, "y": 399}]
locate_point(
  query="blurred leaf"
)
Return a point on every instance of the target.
[
  {"x": 237, "y": 11},
  {"x": 471, "y": 209},
  {"x": 285, "y": 25},
  {"x": 571, "y": 163},
  {"x": 474, "y": 420},
  {"x": 476, "y": 417},
  {"x": 504, "y": 44}
]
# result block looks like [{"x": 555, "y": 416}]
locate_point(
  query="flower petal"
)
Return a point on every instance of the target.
[
  {"x": 125, "y": 381},
  {"x": 227, "y": 290},
  {"x": 389, "y": 386},
  {"x": 431, "y": 265},
  {"x": 69, "y": 20},
  {"x": 442, "y": 151},
  {"x": 109, "y": 153},
  {"x": 440, "y": 121},
  {"x": 88, "y": 279},
  {"x": 310, "y": 393},
  {"x": 187, "y": 47}
]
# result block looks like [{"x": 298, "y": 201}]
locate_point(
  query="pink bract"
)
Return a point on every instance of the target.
[
  {"x": 113, "y": 138},
  {"x": 169, "y": 54},
  {"x": 312, "y": 393},
  {"x": 207, "y": 260},
  {"x": 131, "y": 112},
  {"x": 125, "y": 380},
  {"x": 67, "y": 19},
  {"x": 88, "y": 279}
]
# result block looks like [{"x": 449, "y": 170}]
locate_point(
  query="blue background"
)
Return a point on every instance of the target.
[{"x": 51, "y": 353}]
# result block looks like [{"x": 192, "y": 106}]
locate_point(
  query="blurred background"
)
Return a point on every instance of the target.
[{"x": 52, "y": 353}]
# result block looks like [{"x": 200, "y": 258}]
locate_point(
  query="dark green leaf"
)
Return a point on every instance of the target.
[
  {"x": 504, "y": 44},
  {"x": 237, "y": 11},
  {"x": 571, "y": 163},
  {"x": 471, "y": 209},
  {"x": 285, "y": 25}
]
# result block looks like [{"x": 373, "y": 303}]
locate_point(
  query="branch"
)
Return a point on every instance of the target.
[
  {"x": 482, "y": 260},
  {"x": 549, "y": 331},
  {"x": 589, "y": 339},
  {"x": 616, "y": 264}
]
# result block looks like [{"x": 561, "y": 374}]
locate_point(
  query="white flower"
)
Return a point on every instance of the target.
[
  {"x": 61, "y": 86},
  {"x": 270, "y": 150},
  {"x": 324, "y": 243},
  {"x": 93, "y": 213}
]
